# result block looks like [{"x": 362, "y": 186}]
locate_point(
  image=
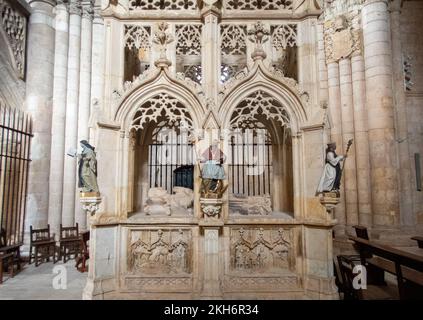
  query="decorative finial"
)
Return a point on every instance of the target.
[
  {"x": 258, "y": 35},
  {"x": 162, "y": 38}
]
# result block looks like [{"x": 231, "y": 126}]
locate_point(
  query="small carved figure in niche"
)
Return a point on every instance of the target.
[
  {"x": 331, "y": 176},
  {"x": 213, "y": 173}
]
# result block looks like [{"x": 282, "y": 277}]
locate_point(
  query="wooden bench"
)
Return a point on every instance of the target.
[
  {"x": 419, "y": 241},
  {"x": 407, "y": 267}
]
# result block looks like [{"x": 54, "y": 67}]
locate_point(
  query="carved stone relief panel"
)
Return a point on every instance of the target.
[
  {"x": 261, "y": 250},
  {"x": 342, "y": 36},
  {"x": 13, "y": 24},
  {"x": 160, "y": 252}
]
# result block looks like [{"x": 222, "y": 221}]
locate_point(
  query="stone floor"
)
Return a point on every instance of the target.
[{"x": 37, "y": 283}]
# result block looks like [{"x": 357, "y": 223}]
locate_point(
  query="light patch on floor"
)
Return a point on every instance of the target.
[{"x": 36, "y": 283}]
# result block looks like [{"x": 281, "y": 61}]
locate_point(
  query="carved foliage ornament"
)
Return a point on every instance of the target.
[
  {"x": 160, "y": 252},
  {"x": 162, "y": 5},
  {"x": 258, "y": 4},
  {"x": 162, "y": 106},
  {"x": 13, "y": 24},
  {"x": 260, "y": 250}
]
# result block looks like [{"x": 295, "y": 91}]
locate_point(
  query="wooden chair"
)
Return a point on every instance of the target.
[
  {"x": 84, "y": 256},
  {"x": 69, "y": 242},
  {"x": 6, "y": 259},
  {"x": 42, "y": 245},
  {"x": 13, "y": 249}
]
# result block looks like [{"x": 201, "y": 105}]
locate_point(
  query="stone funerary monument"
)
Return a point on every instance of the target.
[{"x": 208, "y": 121}]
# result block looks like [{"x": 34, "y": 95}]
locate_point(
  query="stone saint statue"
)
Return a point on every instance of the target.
[
  {"x": 87, "y": 168},
  {"x": 212, "y": 173},
  {"x": 331, "y": 177}
]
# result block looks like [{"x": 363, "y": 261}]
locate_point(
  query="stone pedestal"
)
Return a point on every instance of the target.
[
  {"x": 211, "y": 208},
  {"x": 329, "y": 200}
]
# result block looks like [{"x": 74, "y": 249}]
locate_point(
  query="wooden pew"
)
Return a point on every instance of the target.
[
  {"x": 407, "y": 267},
  {"x": 419, "y": 241}
]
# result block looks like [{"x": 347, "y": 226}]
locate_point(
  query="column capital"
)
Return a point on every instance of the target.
[
  {"x": 50, "y": 2},
  {"x": 211, "y": 10},
  {"x": 75, "y": 7},
  {"x": 87, "y": 12}
]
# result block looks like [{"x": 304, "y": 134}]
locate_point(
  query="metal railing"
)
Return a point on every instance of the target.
[{"x": 15, "y": 137}]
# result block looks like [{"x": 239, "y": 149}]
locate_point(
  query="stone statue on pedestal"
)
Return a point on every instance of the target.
[
  {"x": 87, "y": 168},
  {"x": 212, "y": 173},
  {"x": 331, "y": 177}
]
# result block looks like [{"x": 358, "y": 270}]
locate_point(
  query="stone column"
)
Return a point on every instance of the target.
[
  {"x": 361, "y": 141},
  {"x": 97, "y": 72},
  {"x": 39, "y": 94},
  {"x": 347, "y": 118},
  {"x": 84, "y": 91},
  {"x": 58, "y": 116},
  {"x": 323, "y": 71},
  {"x": 380, "y": 111},
  {"x": 85, "y": 70},
  {"x": 307, "y": 45},
  {"x": 71, "y": 135},
  {"x": 334, "y": 105},
  {"x": 211, "y": 284},
  {"x": 406, "y": 202},
  {"x": 210, "y": 49}
]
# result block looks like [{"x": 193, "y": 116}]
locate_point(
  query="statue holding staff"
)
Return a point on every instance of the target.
[{"x": 330, "y": 180}]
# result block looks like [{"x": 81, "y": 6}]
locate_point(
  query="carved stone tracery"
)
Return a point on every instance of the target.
[
  {"x": 233, "y": 39},
  {"x": 258, "y": 104},
  {"x": 137, "y": 37},
  {"x": 258, "y": 4},
  {"x": 14, "y": 24},
  {"x": 162, "y": 5},
  {"x": 162, "y": 106}
]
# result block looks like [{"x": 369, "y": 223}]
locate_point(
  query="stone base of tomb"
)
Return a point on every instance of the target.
[{"x": 195, "y": 258}]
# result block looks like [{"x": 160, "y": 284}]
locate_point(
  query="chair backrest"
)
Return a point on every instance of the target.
[
  {"x": 346, "y": 267},
  {"x": 69, "y": 232},
  {"x": 38, "y": 235},
  {"x": 3, "y": 237},
  {"x": 361, "y": 232}
]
